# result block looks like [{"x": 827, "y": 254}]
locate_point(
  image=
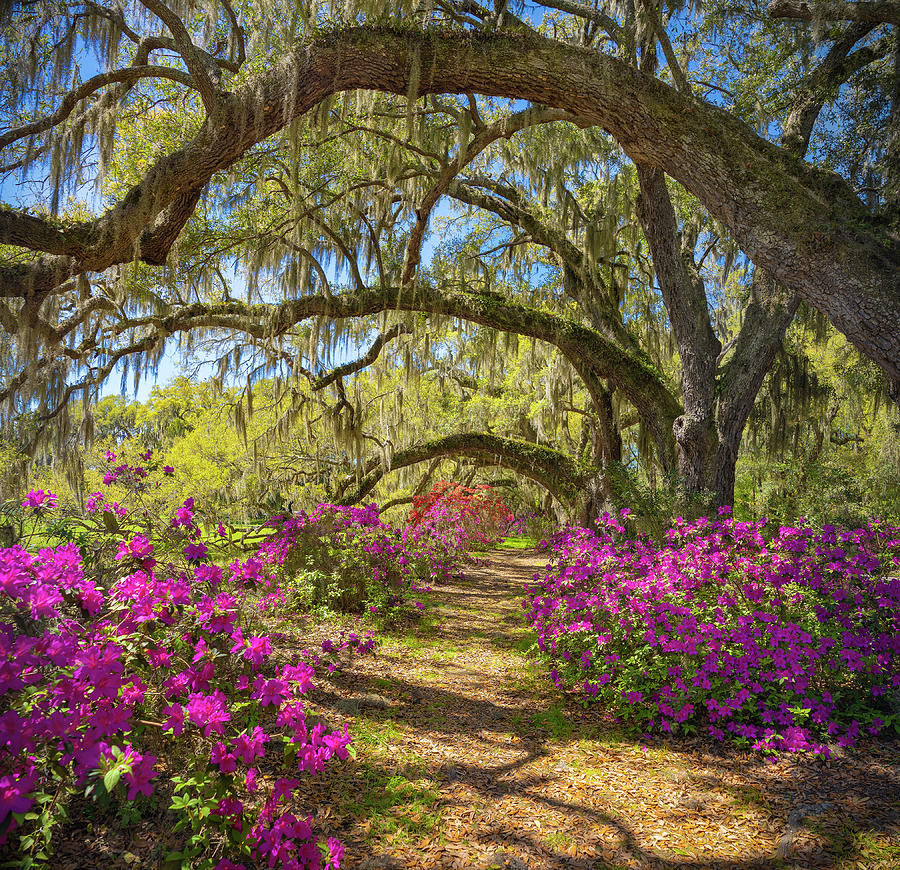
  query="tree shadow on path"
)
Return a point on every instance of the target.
[{"x": 525, "y": 778}]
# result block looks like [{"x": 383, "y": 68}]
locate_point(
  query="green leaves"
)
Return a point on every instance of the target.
[
  {"x": 111, "y": 779},
  {"x": 111, "y": 521}
]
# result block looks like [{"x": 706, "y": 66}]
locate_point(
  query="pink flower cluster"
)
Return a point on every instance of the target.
[
  {"x": 38, "y": 500},
  {"x": 787, "y": 641},
  {"x": 157, "y": 652},
  {"x": 389, "y": 561},
  {"x": 96, "y": 503}
]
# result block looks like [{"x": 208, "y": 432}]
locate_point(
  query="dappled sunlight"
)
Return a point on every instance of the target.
[{"x": 525, "y": 778}]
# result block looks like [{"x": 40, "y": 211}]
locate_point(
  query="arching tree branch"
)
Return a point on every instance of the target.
[
  {"x": 804, "y": 225},
  {"x": 556, "y": 472}
]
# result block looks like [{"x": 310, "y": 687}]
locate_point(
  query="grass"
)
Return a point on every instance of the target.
[
  {"x": 377, "y": 735},
  {"x": 554, "y": 721},
  {"x": 397, "y": 806},
  {"x": 517, "y": 542},
  {"x": 558, "y": 840}
]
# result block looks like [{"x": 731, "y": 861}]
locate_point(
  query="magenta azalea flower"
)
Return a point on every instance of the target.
[
  {"x": 39, "y": 500},
  {"x": 224, "y": 760},
  {"x": 195, "y": 552},
  {"x": 141, "y": 773},
  {"x": 14, "y": 792},
  {"x": 335, "y": 853},
  {"x": 137, "y": 548},
  {"x": 184, "y": 516},
  {"x": 270, "y": 693},
  {"x": 250, "y": 746},
  {"x": 257, "y": 648},
  {"x": 208, "y": 712}
]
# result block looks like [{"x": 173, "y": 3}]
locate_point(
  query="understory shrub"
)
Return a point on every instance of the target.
[
  {"x": 141, "y": 678},
  {"x": 467, "y": 515},
  {"x": 348, "y": 559},
  {"x": 788, "y": 640}
]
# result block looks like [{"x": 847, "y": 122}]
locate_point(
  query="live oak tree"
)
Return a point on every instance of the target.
[{"x": 237, "y": 98}]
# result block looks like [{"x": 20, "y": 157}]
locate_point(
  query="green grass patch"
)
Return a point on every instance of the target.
[
  {"x": 522, "y": 641},
  {"x": 376, "y": 735},
  {"x": 399, "y": 806},
  {"x": 553, "y": 721},
  {"x": 518, "y": 542},
  {"x": 558, "y": 840}
]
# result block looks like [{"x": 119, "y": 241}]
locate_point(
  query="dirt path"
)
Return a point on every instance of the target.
[{"x": 468, "y": 758}]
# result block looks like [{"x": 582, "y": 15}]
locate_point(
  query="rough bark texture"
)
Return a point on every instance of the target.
[
  {"x": 766, "y": 318},
  {"x": 885, "y": 12},
  {"x": 685, "y": 296},
  {"x": 717, "y": 404},
  {"x": 803, "y": 225}
]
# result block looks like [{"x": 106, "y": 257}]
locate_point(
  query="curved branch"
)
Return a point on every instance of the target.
[
  {"x": 365, "y": 360},
  {"x": 561, "y": 475},
  {"x": 591, "y": 355},
  {"x": 193, "y": 58},
  {"x": 804, "y": 225},
  {"x": 482, "y": 139},
  {"x": 613, "y": 29},
  {"x": 237, "y": 33},
  {"x": 85, "y": 89},
  {"x": 823, "y": 82}
]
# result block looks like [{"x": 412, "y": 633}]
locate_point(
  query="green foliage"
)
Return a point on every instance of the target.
[{"x": 824, "y": 440}]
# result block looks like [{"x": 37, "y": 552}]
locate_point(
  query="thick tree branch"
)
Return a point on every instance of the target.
[
  {"x": 590, "y": 354},
  {"x": 804, "y": 225},
  {"x": 822, "y": 84},
  {"x": 201, "y": 71},
  {"x": 613, "y": 29},
  {"x": 662, "y": 37},
  {"x": 884, "y": 12},
  {"x": 556, "y": 472},
  {"x": 237, "y": 33},
  {"x": 684, "y": 293}
]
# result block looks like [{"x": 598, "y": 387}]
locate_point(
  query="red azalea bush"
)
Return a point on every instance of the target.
[
  {"x": 787, "y": 641},
  {"x": 474, "y": 513}
]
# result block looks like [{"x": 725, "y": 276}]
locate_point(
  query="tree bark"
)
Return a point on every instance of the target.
[
  {"x": 684, "y": 294},
  {"x": 563, "y": 477},
  {"x": 803, "y": 225}
]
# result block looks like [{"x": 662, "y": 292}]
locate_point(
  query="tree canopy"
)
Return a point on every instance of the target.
[{"x": 651, "y": 190}]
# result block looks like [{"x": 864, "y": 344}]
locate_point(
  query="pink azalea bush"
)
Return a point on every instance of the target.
[
  {"x": 153, "y": 684},
  {"x": 787, "y": 641},
  {"x": 355, "y": 560}
]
